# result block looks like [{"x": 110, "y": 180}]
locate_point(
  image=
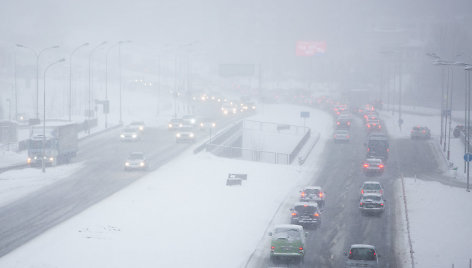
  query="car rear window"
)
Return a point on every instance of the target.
[
  {"x": 372, "y": 197},
  {"x": 372, "y": 186},
  {"x": 305, "y": 210},
  {"x": 362, "y": 254},
  {"x": 312, "y": 191}
]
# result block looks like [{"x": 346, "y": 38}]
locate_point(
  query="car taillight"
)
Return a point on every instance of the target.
[
  {"x": 368, "y": 125},
  {"x": 321, "y": 194},
  {"x": 300, "y": 248},
  {"x": 294, "y": 214},
  {"x": 348, "y": 123},
  {"x": 347, "y": 136},
  {"x": 317, "y": 215},
  {"x": 380, "y": 126},
  {"x": 272, "y": 248},
  {"x": 338, "y": 123},
  {"x": 303, "y": 194},
  {"x": 381, "y": 166},
  {"x": 361, "y": 204},
  {"x": 366, "y": 165},
  {"x": 388, "y": 150},
  {"x": 381, "y": 191},
  {"x": 362, "y": 191},
  {"x": 382, "y": 204}
]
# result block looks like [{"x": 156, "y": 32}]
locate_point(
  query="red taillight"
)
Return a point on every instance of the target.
[
  {"x": 381, "y": 191},
  {"x": 321, "y": 194},
  {"x": 294, "y": 214},
  {"x": 305, "y": 205},
  {"x": 347, "y": 136},
  {"x": 388, "y": 150},
  {"x": 380, "y": 126},
  {"x": 348, "y": 123},
  {"x": 338, "y": 123},
  {"x": 272, "y": 248},
  {"x": 303, "y": 194},
  {"x": 381, "y": 166},
  {"x": 368, "y": 149},
  {"x": 300, "y": 248},
  {"x": 316, "y": 214},
  {"x": 382, "y": 204},
  {"x": 366, "y": 165},
  {"x": 361, "y": 204},
  {"x": 362, "y": 191},
  {"x": 368, "y": 125}
]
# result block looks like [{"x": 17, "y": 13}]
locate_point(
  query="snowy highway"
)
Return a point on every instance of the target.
[{"x": 101, "y": 176}]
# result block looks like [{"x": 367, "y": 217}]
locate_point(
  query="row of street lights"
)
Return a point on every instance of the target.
[
  {"x": 38, "y": 55},
  {"x": 90, "y": 89},
  {"x": 446, "y": 102}
]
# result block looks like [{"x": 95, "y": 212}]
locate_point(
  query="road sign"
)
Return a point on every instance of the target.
[
  {"x": 310, "y": 48},
  {"x": 468, "y": 157},
  {"x": 304, "y": 114}
]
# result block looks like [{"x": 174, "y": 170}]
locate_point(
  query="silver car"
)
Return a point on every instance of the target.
[
  {"x": 361, "y": 255},
  {"x": 372, "y": 203},
  {"x": 371, "y": 187},
  {"x": 136, "y": 161}
]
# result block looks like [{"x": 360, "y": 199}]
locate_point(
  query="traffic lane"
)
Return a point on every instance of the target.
[
  {"x": 102, "y": 176},
  {"x": 343, "y": 224},
  {"x": 416, "y": 157}
]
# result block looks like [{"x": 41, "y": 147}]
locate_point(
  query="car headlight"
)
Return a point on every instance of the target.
[
  {"x": 178, "y": 135},
  {"x": 141, "y": 128},
  {"x": 191, "y": 135},
  {"x": 35, "y": 157},
  {"x": 201, "y": 124},
  {"x": 134, "y": 136},
  {"x": 122, "y": 135},
  {"x": 170, "y": 125},
  {"x": 127, "y": 164},
  {"x": 142, "y": 164},
  {"x": 28, "y": 160},
  {"x": 51, "y": 159},
  {"x": 192, "y": 121},
  {"x": 213, "y": 124}
]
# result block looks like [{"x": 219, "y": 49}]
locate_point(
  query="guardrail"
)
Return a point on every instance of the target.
[{"x": 299, "y": 146}]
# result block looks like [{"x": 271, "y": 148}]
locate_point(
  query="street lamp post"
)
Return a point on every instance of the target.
[
  {"x": 9, "y": 109},
  {"x": 70, "y": 78},
  {"x": 44, "y": 113},
  {"x": 37, "y": 54},
  {"x": 468, "y": 68},
  {"x": 89, "y": 111},
  {"x": 119, "y": 66}
]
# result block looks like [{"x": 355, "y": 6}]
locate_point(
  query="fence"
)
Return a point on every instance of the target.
[{"x": 299, "y": 146}]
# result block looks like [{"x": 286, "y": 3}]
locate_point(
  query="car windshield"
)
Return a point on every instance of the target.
[
  {"x": 129, "y": 130},
  {"x": 136, "y": 156}
]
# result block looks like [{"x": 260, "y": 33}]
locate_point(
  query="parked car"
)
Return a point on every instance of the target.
[
  {"x": 372, "y": 203},
  {"x": 130, "y": 134},
  {"x": 341, "y": 135},
  {"x": 420, "y": 132},
  {"x": 175, "y": 124},
  {"x": 373, "y": 167},
  {"x": 371, "y": 187},
  {"x": 360, "y": 255},
  {"x": 287, "y": 243},
  {"x": 305, "y": 214},
  {"x": 313, "y": 194},
  {"x": 136, "y": 161}
]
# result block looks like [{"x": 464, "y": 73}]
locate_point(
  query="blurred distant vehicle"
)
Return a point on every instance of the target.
[
  {"x": 175, "y": 124},
  {"x": 228, "y": 109},
  {"x": 130, "y": 134},
  {"x": 373, "y": 124},
  {"x": 206, "y": 123},
  {"x": 372, "y": 203},
  {"x": 343, "y": 121},
  {"x": 340, "y": 108},
  {"x": 371, "y": 187},
  {"x": 419, "y": 132},
  {"x": 185, "y": 134},
  {"x": 137, "y": 124},
  {"x": 373, "y": 166},
  {"x": 189, "y": 119},
  {"x": 287, "y": 243},
  {"x": 361, "y": 256},
  {"x": 313, "y": 194},
  {"x": 136, "y": 161},
  {"x": 305, "y": 214},
  {"x": 22, "y": 119},
  {"x": 341, "y": 135}
]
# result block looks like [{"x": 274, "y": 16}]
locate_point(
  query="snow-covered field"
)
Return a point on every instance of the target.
[
  {"x": 182, "y": 215},
  {"x": 440, "y": 223}
]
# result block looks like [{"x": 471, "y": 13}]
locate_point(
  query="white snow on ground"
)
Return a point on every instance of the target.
[
  {"x": 11, "y": 158},
  {"x": 182, "y": 215},
  {"x": 440, "y": 224},
  {"x": 15, "y": 184}
]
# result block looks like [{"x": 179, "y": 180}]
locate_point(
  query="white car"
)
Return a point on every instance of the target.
[
  {"x": 372, "y": 203},
  {"x": 185, "y": 134},
  {"x": 371, "y": 187},
  {"x": 361, "y": 255},
  {"x": 136, "y": 161},
  {"x": 130, "y": 134}
]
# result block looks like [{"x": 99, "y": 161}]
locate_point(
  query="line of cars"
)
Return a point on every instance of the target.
[
  {"x": 186, "y": 126},
  {"x": 134, "y": 133},
  {"x": 343, "y": 123},
  {"x": 288, "y": 240}
]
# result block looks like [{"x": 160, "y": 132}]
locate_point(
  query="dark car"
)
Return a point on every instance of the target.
[
  {"x": 313, "y": 194},
  {"x": 419, "y": 132},
  {"x": 361, "y": 255},
  {"x": 343, "y": 122},
  {"x": 305, "y": 214}
]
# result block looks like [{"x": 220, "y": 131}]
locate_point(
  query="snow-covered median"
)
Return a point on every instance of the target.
[
  {"x": 182, "y": 215},
  {"x": 440, "y": 224}
]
